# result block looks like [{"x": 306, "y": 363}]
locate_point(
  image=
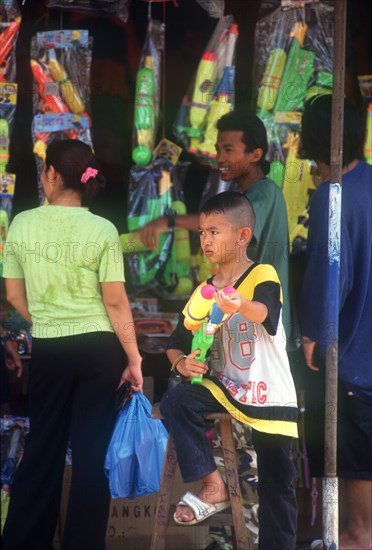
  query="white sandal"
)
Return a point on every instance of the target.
[{"x": 202, "y": 510}]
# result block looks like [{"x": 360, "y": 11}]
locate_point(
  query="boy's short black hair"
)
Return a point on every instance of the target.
[
  {"x": 316, "y": 131},
  {"x": 254, "y": 132},
  {"x": 231, "y": 202}
]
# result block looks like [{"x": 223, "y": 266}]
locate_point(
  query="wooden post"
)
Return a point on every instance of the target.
[{"x": 330, "y": 481}]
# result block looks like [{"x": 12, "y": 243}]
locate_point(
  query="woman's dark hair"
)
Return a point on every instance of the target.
[
  {"x": 231, "y": 202},
  {"x": 71, "y": 158},
  {"x": 254, "y": 132},
  {"x": 316, "y": 131}
]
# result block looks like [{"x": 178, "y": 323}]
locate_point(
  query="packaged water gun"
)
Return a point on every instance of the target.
[
  {"x": 51, "y": 103},
  {"x": 271, "y": 79},
  {"x": 223, "y": 101},
  {"x": 297, "y": 73},
  {"x": 147, "y": 95},
  {"x": 7, "y": 185},
  {"x": 157, "y": 191},
  {"x": 297, "y": 181},
  {"x": 144, "y": 115},
  {"x": 69, "y": 91},
  {"x": 203, "y": 91},
  {"x": 69, "y": 79},
  {"x": 192, "y": 119},
  {"x": 368, "y": 141},
  {"x": 365, "y": 86},
  {"x": 8, "y": 39},
  {"x": 4, "y": 145}
]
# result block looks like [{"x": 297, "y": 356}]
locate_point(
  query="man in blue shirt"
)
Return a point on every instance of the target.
[{"x": 355, "y": 311}]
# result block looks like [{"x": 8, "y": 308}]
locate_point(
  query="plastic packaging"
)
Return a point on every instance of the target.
[
  {"x": 113, "y": 8},
  {"x": 50, "y": 127},
  {"x": 211, "y": 93},
  {"x": 10, "y": 21},
  {"x": 136, "y": 452},
  {"x": 147, "y": 95},
  {"x": 293, "y": 62},
  {"x": 60, "y": 64},
  {"x": 365, "y": 86},
  {"x": 8, "y": 100},
  {"x": 157, "y": 191}
]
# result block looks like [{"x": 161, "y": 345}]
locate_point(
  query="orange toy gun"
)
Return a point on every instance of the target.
[
  {"x": 51, "y": 104},
  {"x": 6, "y": 40}
]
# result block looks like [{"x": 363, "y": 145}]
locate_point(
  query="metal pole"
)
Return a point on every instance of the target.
[{"x": 330, "y": 481}]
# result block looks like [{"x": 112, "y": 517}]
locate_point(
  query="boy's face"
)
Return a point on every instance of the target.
[
  {"x": 233, "y": 160},
  {"x": 219, "y": 239}
]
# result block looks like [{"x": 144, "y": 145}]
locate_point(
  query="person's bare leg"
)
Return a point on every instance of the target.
[
  {"x": 358, "y": 533},
  {"x": 214, "y": 490}
]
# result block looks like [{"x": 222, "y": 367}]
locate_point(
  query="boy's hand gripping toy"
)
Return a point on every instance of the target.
[{"x": 196, "y": 319}]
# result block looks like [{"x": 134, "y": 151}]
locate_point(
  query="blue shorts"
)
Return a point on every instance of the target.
[{"x": 354, "y": 430}]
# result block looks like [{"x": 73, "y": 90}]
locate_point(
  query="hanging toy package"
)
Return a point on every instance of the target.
[
  {"x": 60, "y": 63},
  {"x": 293, "y": 63},
  {"x": 10, "y": 20},
  {"x": 147, "y": 95},
  {"x": 8, "y": 100},
  {"x": 111, "y": 8},
  {"x": 211, "y": 94},
  {"x": 365, "y": 86},
  {"x": 157, "y": 191}
]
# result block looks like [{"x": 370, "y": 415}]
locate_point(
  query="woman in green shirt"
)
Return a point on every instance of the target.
[{"x": 64, "y": 274}]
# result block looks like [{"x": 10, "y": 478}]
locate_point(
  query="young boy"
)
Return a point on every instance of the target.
[{"x": 249, "y": 377}]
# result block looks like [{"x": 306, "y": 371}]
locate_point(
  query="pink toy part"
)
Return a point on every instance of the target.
[
  {"x": 207, "y": 291},
  {"x": 229, "y": 290}
]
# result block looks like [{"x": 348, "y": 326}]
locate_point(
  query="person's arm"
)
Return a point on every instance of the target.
[
  {"x": 149, "y": 233},
  {"x": 314, "y": 307},
  {"x": 178, "y": 352},
  {"x": 186, "y": 365},
  {"x": 117, "y": 305},
  {"x": 12, "y": 359},
  {"x": 17, "y": 297}
]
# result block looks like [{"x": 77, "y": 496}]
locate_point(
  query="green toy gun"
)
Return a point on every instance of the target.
[
  {"x": 171, "y": 261},
  {"x": 202, "y": 341}
]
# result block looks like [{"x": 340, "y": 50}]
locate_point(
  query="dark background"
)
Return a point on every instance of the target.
[{"x": 116, "y": 53}]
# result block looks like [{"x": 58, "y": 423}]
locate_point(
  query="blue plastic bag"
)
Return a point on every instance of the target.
[{"x": 135, "y": 456}]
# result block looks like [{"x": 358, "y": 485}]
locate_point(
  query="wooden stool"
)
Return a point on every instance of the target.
[{"x": 164, "y": 510}]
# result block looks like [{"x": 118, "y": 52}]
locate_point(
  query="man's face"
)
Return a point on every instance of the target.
[{"x": 233, "y": 161}]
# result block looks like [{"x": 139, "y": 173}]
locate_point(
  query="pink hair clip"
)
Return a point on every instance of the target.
[{"x": 89, "y": 173}]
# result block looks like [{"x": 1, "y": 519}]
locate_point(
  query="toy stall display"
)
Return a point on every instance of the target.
[
  {"x": 365, "y": 86},
  {"x": 10, "y": 20},
  {"x": 155, "y": 191},
  {"x": 147, "y": 95},
  {"x": 293, "y": 63},
  {"x": 211, "y": 94},
  {"x": 60, "y": 63},
  {"x": 13, "y": 430}
]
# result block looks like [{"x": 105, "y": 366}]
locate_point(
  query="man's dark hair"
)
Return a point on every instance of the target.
[
  {"x": 231, "y": 202},
  {"x": 316, "y": 131},
  {"x": 254, "y": 132}
]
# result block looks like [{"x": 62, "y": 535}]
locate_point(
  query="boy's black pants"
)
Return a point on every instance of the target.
[
  {"x": 71, "y": 395},
  {"x": 184, "y": 408}
]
